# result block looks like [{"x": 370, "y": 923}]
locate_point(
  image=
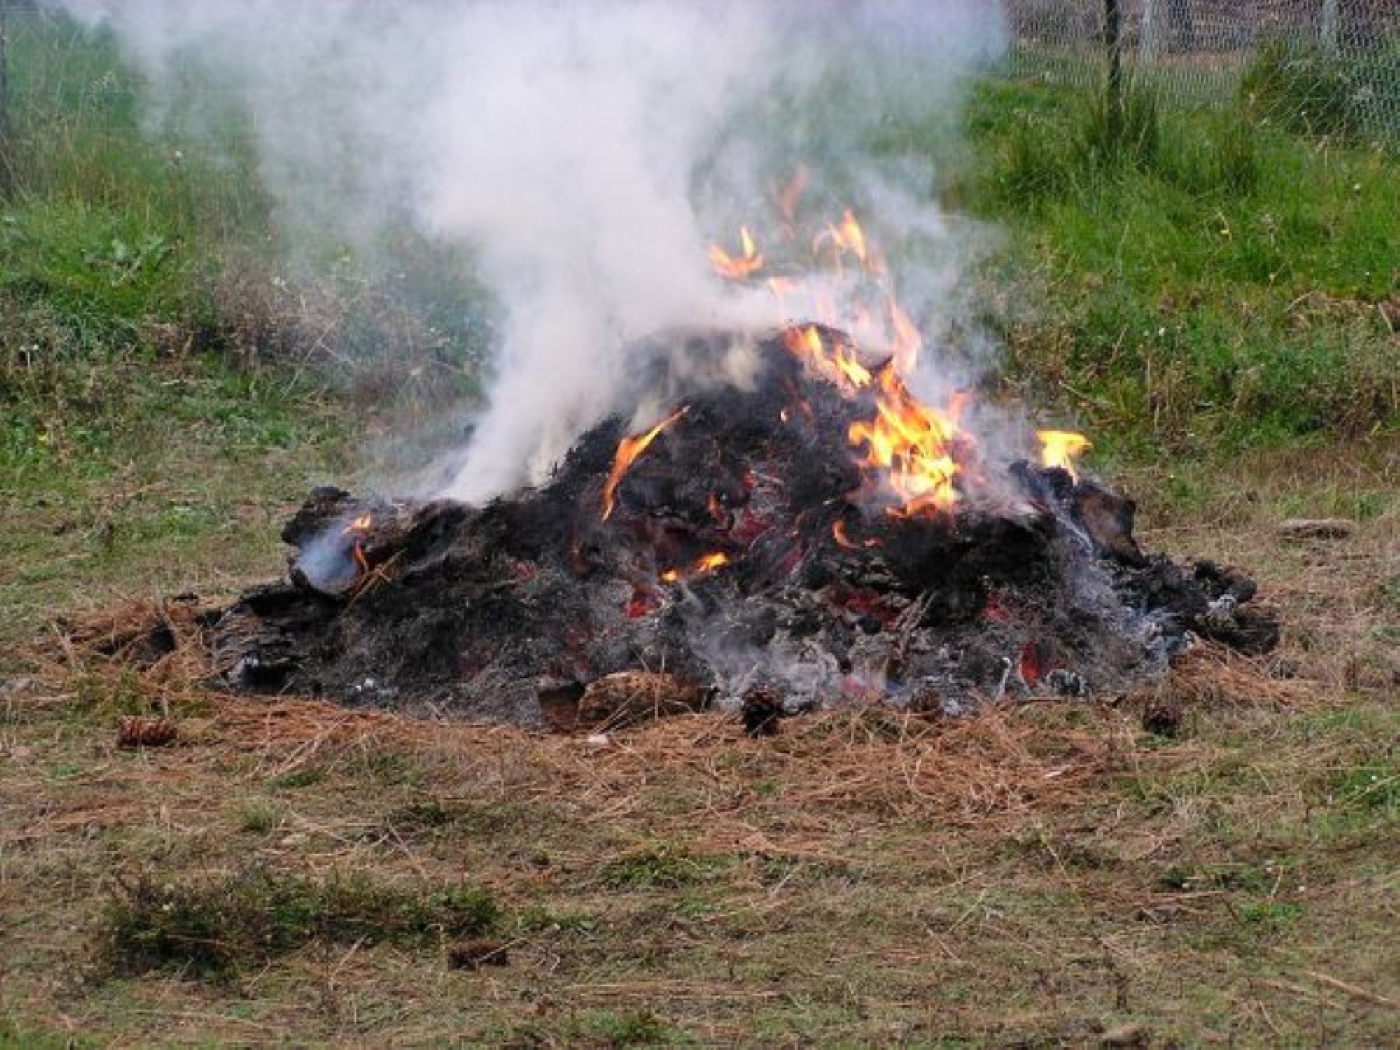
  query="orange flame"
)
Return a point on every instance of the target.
[
  {"x": 705, "y": 563},
  {"x": 359, "y": 528},
  {"x": 628, "y": 449},
  {"x": 848, "y": 236},
  {"x": 791, "y": 192},
  {"x": 915, "y": 456},
  {"x": 742, "y": 266},
  {"x": 1060, "y": 448},
  {"x": 839, "y": 365},
  {"x": 906, "y": 340},
  {"x": 911, "y": 447}
]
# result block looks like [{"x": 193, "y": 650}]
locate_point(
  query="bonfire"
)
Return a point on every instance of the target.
[{"x": 807, "y": 533}]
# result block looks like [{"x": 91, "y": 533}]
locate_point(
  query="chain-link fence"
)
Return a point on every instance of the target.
[{"x": 1323, "y": 65}]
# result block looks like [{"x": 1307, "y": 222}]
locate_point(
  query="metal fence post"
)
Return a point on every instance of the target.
[{"x": 1330, "y": 24}]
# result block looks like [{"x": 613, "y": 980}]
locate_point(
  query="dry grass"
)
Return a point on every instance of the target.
[{"x": 1050, "y": 873}]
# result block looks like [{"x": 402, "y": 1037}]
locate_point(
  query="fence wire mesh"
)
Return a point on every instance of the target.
[{"x": 1317, "y": 65}]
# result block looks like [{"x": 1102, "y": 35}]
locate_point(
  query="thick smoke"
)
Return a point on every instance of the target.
[{"x": 587, "y": 153}]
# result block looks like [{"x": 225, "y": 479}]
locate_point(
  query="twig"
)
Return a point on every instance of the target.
[{"x": 1351, "y": 989}]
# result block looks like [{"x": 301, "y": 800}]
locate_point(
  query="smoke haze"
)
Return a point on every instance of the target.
[{"x": 587, "y": 153}]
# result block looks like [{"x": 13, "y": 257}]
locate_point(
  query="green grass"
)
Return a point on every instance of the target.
[
  {"x": 1210, "y": 283},
  {"x": 124, "y": 233},
  {"x": 225, "y": 924}
]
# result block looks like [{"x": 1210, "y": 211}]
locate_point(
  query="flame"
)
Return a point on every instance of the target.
[
  {"x": 850, "y": 236},
  {"x": 791, "y": 192},
  {"x": 705, "y": 563},
  {"x": 716, "y": 509},
  {"x": 905, "y": 339},
  {"x": 843, "y": 538},
  {"x": 838, "y": 365},
  {"x": 628, "y": 449},
  {"x": 710, "y": 562},
  {"x": 740, "y": 267},
  {"x": 916, "y": 457},
  {"x": 359, "y": 528},
  {"x": 910, "y": 446},
  {"x": 847, "y": 236},
  {"x": 1060, "y": 448}
]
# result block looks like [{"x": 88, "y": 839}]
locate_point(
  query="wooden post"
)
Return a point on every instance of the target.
[{"x": 1113, "y": 38}]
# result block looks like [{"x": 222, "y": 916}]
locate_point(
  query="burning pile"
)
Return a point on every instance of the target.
[{"x": 810, "y": 535}]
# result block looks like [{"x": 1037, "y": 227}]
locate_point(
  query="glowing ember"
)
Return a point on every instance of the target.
[
  {"x": 843, "y": 538},
  {"x": 712, "y": 561},
  {"x": 737, "y": 267},
  {"x": 1060, "y": 448},
  {"x": 628, "y": 449}
]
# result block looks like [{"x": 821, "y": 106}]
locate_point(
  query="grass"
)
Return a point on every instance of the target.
[
  {"x": 1213, "y": 282},
  {"x": 222, "y": 925},
  {"x": 1211, "y": 300}
]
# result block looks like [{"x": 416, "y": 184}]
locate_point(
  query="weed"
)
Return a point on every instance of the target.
[
  {"x": 259, "y": 817},
  {"x": 1271, "y": 915},
  {"x": 220, "y": 925},
  {"x": 1373, "y": 788},
  {"x": 658, "y": 867},
  {"x": 305, "y": 776},
  {"x": 1204, "y": 283},
  {"x": 635, "y": 1028},
  {"x": 1122, "y": 130}
]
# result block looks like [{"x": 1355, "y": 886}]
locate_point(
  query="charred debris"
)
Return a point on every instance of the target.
[{"x": 739, "y": 554}]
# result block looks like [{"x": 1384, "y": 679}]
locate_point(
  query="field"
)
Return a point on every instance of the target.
[{"x": 1213, "y": 297}]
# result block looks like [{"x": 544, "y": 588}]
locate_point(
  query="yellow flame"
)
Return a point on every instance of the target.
[
  {"x": 705, "y": 563},
  {"x": 1060, "y": 448},
  {"x": 361, "y": 524},
  {"x": 910, "y": 447},
  {"x": 848, "y": 236},
  {"x": 628, "y": 449},
  {"x": 712, "y": 561}
]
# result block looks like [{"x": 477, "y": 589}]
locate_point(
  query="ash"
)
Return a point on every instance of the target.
[{"x": 743, "y": 555}]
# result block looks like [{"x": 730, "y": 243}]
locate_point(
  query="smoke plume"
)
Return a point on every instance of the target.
[{"x": 586, "y": 153}]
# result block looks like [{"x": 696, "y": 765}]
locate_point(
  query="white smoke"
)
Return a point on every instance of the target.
[{"x": 586, "y": 152}]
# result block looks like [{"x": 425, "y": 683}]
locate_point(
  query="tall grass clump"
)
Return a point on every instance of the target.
[
  {"x": 1314, "y": 90},
  {"x": 134, "y": 239},
  {"x": 1208, "y": 280}
]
